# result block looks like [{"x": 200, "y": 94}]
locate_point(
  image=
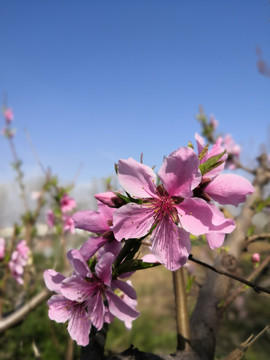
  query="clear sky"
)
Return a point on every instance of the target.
[{"x": 95, "y": 81}]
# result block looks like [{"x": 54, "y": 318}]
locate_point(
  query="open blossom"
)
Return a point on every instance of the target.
[
  {"x": 2, "y": 248},
  {"x": 93, "y": 288},
  {"x": 100, "y": 223},
  {"x": 168, "y": 209},
  {"x": 223, "y": 188},
  {"x": 87, "y": 298},
  {"x": 67, "y": 203},
  {"x": 18, "y": 261},
  {"x": 62, "y": 309}
]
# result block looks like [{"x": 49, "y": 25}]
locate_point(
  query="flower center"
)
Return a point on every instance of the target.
[{"x": 164, "y": 205}]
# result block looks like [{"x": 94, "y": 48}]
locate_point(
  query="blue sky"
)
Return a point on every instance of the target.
[{"x": 95, "y": 81}]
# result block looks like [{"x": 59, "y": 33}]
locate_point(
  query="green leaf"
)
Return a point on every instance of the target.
[
  {"x": 190, "y": 145},
  {"x": 211, "y": 163},
  {"x": 123, "y": 197},
  {"x": 133, "y": 265},
  {"x": 203, "y": 152}
]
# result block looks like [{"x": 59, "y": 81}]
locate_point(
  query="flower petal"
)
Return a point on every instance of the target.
[
  {"x": 215, "y": 239},
  {"x": 60, "y": 308},
  {"x": 179, "y": 172},
  {"x": 119, "y": 308},
  {"x": 229, "y": 189},
  {"x": 53, "y": 280},
  {"x": 91, "y": 246},
  {"x": 90, "y": 221},
  {"x": 125, "y": 287},
  {"x": 79, "y": 326},
  {"x": 136, "y": 178},
  {"x": 195, "y": 215},
  {"x": 170, "y": 244},
  {"x": 96, "y": 309},
  {"x": 103, "y": 268},
  {"x": 78, "y": 263},
  {"x": 132, "y": 221}
]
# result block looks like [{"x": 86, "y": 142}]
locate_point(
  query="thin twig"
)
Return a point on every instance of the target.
[
  {"x": 256, "y": 237},
  {"x": 238, "y": 291},
  {"x": 256, "y": 288}
]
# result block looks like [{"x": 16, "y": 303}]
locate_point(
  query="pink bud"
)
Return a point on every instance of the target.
[
  {"x": 255, "y": 258},
  {"x": 8, "y": 113}
]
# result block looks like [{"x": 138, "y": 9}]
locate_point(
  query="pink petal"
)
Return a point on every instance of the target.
[
  {"x": 126, "y": 288},
  {"x": 53, "y": 280},
  {"x": 76, "y": 288},
  {"x": 200, "y": 143},
  {"x": 60, "y": 308},
  {"x": 119, "y": 308},
  {"x": 96, "y": 309},
  {"x": 179, "y": 172},
  {"x": 91, "y": 246},
  {"x": 229, "y": 189},
  {"x": 132, "y": 221},
  {"x": 91, "y": 221},
  {"x": 215, "y": 239},
  {"x": 195, "y": 216},
  {"x": 170, "y": 244},
  {"x": 103, "y": 268},
  {"x": 78, "y": 263},
  {"x": 136, "y": 178},
  {"x": 79, "y": 326}
]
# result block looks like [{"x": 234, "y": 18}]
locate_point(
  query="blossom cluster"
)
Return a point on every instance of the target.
[
  {"x": 18, "y": 259},
  {"x": 66, "y": 205},
  {"x": 181, "y": 200}
]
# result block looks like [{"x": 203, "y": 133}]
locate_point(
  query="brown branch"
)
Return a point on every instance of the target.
[
  {"x": 182, "y": 320},
  {"x": 19, "y": 314},
  {"x": 256, "y": 237}
]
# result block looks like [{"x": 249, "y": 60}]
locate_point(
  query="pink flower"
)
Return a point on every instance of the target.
[
  {"x": 67, "y": 203},
  {"x": 222, "y": 188},
  {"x": 233, "y": 151},
  {"x": 8, "y": 114},
  {"x": 62, "y": 309},
  {"x": 18, "y": 261},
  {"x": 162, "y": 208},
  {"x": 93, "y": 288},
  {"x": 100, "y": 223},
  {"x": 50, "y": 219},
  {"x": 68, "y": 224},
  {"x": 255, "y": 258},
  {"x": 2, "y": 248}
]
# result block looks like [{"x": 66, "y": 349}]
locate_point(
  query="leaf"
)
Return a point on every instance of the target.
[
  {"x": 133, "y": 265},
  {"x": 211, "y": 163},
  {"x": 203, "y": 152}
]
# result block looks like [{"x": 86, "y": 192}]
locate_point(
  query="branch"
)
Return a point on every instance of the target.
[
  {"x": 19, "y": 314},
  {"x": 257, "y": 288}
]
